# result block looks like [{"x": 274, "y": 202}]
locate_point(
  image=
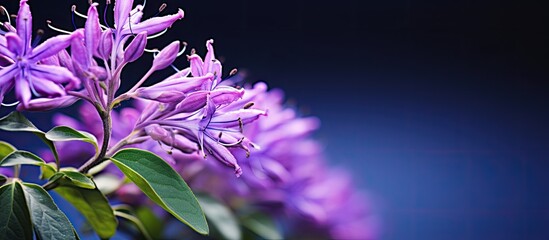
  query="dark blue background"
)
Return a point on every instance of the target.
[{"x": 439, "y": 108}]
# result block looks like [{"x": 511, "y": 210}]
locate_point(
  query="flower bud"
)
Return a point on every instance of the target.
[
  {"x": 105, "y": 45},
  {"x": 166, "y": 56},
  {"x": 136, "y": 48}
]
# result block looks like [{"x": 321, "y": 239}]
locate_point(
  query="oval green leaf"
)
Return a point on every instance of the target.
[
  {"x": 6, "y": 149},
  {"x": 17, "y": 122},
  {"x": 220, "y": 217},
  {"x": 162, "y": 185},
  {"x": 49, "y": 222},
  {"x": 25, "y": 158},
  {"x": 94, "y": 206},
  {"x": 78, "y": 179},
  {"x": 64, "y": 133},
  {"x": 15, "y": 220}
]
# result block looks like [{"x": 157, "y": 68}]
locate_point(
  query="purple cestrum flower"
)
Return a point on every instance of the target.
[{"x": 25, "y": 72}]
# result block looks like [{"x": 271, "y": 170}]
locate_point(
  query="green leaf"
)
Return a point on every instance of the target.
[
  {"x": 64, "y": 133},
  {"x": 3, "y": 179},
  {"x": 6, "y": 149},
  {"x": 47, "y": 171},
  {"x": 162, "y": 185},
  {"x": 78, "y": 179},
  {"x": 25, "y": 158},
  {"x": 16, "y": 122},
  {"x": 94, "y": 206},
  {"x": 21, "y": 157},
  {"x": 262, "y": 225},
  {"x": 130, "y": 217},
  {"x": 15, "y": 220},
  {"x": 49, "y": 222},
  {"x": 151, "y": 222},
  {"x": 220, "y": 217}
]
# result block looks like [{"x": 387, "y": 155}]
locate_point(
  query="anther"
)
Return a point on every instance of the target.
[
  {"x": 73, "y": 9},
  {"x": 39, "y": 34},
  {"x": 162, "y": 7},
  {"x": 219, "y": 136},
  {"x": 240, "y": 125},
  {"x": 233, "y": 72},
  {"x": 193, "y": 51},
  {"x": 248, "y": 105}
]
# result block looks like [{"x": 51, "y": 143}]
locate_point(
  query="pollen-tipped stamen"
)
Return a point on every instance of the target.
[
  {"x": 160, "y": 9},
  {"x": 39, "y": 34},
  {"x": 48, "y": 23},
  {"x": 5, "y": 11}
]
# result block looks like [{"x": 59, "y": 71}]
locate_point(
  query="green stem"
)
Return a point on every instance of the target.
[{"x": 107, "y": 129}]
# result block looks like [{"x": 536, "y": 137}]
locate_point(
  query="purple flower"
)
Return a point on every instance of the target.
[
  {"x": 128, "y": 21},
  {"x": 25, "y": 73}
]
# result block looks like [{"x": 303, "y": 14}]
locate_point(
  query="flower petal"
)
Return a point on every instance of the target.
[
  {"x": 236, "y": 118},
  {"x": 56, "y": 74},
  {"x": 45, "y": 87},
  {"x": 222, "y": 154},
  {"x": 22, "y": 91},
  {"x": 92, "y": 30},
  {"x": 122, "y": 10},
  {"x": 15, "y": 45},
  {"x": 154, "y": 25},
  {"x": 50, "y": 47},
  {"x": 24, "y": 26},
  {"x": 44, "y": 104},
  {"x": 7, "y": 74}
]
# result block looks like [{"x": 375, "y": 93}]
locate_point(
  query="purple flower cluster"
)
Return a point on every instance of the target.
[{"x": 189, "y": 119}]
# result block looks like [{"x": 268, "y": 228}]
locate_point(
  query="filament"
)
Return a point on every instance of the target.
[{"x": 48, "y": 22}]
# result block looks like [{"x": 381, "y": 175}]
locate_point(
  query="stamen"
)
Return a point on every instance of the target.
[
  {"x": 248, "y": 105},
  {"x": 233, "y": 72},
  {"x": 160, "y": 9},
  {"x": 5, "y": 11},
  {"x": 184, "y": 44},
  {"x": 232, "y": 144},
  {"x": 130, "y": 24},
  {"x": 38, "y": 37},
  {"x": 48, "y": 22},
  {"x": 9, "y": 104},
  {"x": 158, "y": 34},
  {"x": 73, "y": 9},
  {"x": 193, "y": 51},
  {"x": 153, "y": 51},
  {"x": 240, "y": 125},
  {"x": 105, "y": 14},
  {"x": 175, "y": 68},
  {"x": 219, "y": 136}
]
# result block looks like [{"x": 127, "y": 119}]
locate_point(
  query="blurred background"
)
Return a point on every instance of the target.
[{"x": 438, "y": 108}]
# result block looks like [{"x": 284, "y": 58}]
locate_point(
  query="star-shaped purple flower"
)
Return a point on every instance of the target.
[{"x": 26, "y": 73}]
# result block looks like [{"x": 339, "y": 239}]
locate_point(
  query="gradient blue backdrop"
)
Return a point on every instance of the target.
[{"x": 439, "y": 108}]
